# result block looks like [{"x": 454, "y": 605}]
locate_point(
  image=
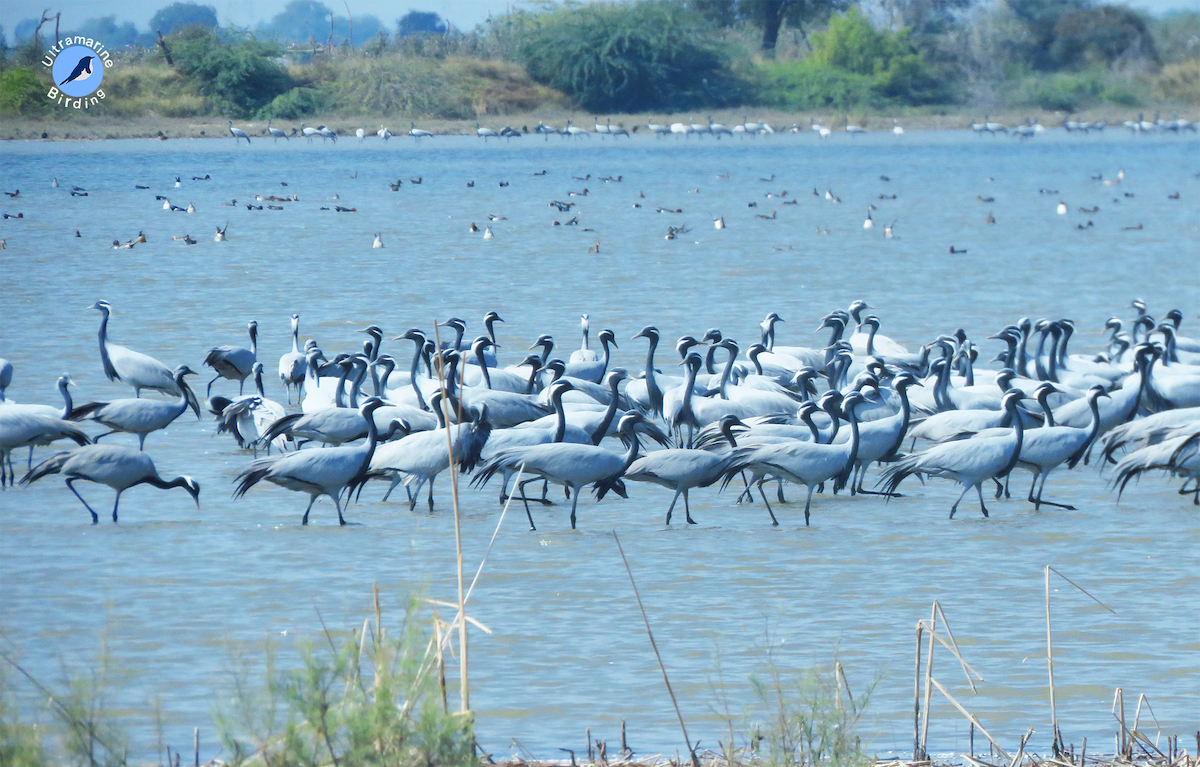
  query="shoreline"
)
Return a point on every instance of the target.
[{"x": 99, "y": 127}]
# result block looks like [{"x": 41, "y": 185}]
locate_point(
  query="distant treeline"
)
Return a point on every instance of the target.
[{"x": 635, "y": 56}]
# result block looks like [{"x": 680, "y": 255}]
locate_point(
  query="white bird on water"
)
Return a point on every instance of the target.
[
  {"x": 293, "y": 365},
  {"x": 378, "y": 240}
]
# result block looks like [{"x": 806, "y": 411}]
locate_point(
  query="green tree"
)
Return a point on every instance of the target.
[
  {"x": 106, "y": 29},
  {"x": 420, "y": 22},
  {"x": 239, "y": 78},
  {"x": 618, "y": 57},
  {"x": 1100, "y": 35},
  {"x": 770, "y": 15},
  {"x": 179, "y": 15}
]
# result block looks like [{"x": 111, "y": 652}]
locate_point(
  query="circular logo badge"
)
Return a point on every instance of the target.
[{"x": 78, "y": 71}]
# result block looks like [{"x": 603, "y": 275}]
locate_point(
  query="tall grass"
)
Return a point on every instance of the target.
[{"x": 371, "y": 697}]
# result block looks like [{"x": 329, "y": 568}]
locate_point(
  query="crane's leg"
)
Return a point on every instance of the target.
[
  {"x": 774, "y": 522},
  {"x": 687, "y": 509},
  {"x": 116, "y": 503},
  {"x": 1042, "y": 488},
  {"x": 142, "y": 442},
  {"x": 416, "y": 493},
  {"x": 1032, "y": 487},
  {"x": 431, "y": 495},
  {"x": 71, "y": 486},
  {"x": 954, "y": 508},
  {"x": 208, "y": 392},
  {"x": 574, "y": 503},
  {"x": 671, "y": 508},
  {"x": 338, "y": 504},
  {"x": 28, "y": 463},
  {"x": 391, "y": 487},
  {"x": 529, "y": 516},
  {"x": 779, "y": 492},
  {"x": 808, "y": 503},
  {"x": 241, "y": 386},
  {"x": 311, "y": 500},
  {"x": 748, "y": 494},
  {"x": 979, "y": 490}
]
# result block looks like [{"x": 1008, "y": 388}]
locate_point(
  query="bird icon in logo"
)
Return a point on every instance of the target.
[{"x": 82, "y": 70}]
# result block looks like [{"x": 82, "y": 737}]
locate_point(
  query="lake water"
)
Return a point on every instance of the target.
[{"x": 173, "y": 588}]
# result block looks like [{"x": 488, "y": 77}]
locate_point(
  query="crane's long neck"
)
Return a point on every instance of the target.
[
  {"x": 1093, "y": 432},
  {"x": 295, "y": 338},
  {"x": 685, "y": 411},
  {"x": 710, "y": 360},
  {"x": 413, "y": 372},
  {"x": 1039, "y": 366},
  {"x": 727, "y": 373},
  {"x": 852, "y": 456},
  {"x": 109, "y": 370},
  {"x": 356, "y": 387},
  {"x": 339, "y": 394},
  {"x": 1019, "y": 432},
  {"x": 1062, "y": 346},
  {"x": 560, "y": 429},
  {"x": 1023, "y": 356},
  {"x": 871, "y": 339},
  {"x": 184, "y": 391},
  {"x": 1010, "y": 356},
  {"x": 68, "y": 405},
  {"x": 968, "y": 369},
  {"x": 652, "y": 388},
  {"x": 609, "y": 414},
  {"x": 941, "y": 389},
  {"x": 372, "y": 440},
  {"x": 161, "y": 483},
  {"x": 533, "y": 371},
  {"x": 483, "y": 368},
  {"x": 258, "y": 384},
  {"x": 1054, "y": 353},
  {"x": 607, "y": 355}
]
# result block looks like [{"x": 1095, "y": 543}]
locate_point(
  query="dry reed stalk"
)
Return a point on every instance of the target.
[
  {"x": 464, "y": 689},
  {"x": 1057, "y": 746},
  {"x": 1016, "y": 761},
  {"x": 687, "y": 741},
  {"x": 917, "y": 696},
  {"x": 971, "y": 718},
  {"x": 928, "y": 676}
]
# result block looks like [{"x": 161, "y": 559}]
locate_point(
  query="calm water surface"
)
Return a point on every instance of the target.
[{"x": 176, "y": 588}]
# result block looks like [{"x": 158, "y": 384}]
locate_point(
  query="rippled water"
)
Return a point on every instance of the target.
[{"x": 175, "y": 587}]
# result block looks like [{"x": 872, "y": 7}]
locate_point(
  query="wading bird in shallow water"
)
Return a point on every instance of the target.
[
  {"x": 116, "y": 466},
  {"x": 238, "y": 133}
]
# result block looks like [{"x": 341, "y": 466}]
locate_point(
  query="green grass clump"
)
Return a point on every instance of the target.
[{"x": 372, "y": 697}]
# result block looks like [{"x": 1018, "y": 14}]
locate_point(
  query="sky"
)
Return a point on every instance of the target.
[{"x": 464, "y": 14}]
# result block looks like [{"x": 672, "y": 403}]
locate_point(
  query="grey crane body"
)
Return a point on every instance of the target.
[
  {"x": 139, "y": 416},
  {"x": 24, "y": 429},
  {"x": 320, "y": 471},
  {"x": 114, "y": 465},
  {"x": 138, "y": 370},
  {"x": 233, "y": 362}
]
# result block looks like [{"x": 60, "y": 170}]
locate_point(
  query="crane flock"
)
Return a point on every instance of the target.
[{"x": 815, "y": 416}]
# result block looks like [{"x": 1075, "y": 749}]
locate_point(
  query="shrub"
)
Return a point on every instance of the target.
[
  {"x": 614, "y": 57},
  {"x": 805, "y": 85},
  {"x": 1181, "y": 82},
  {"x": 1069, "y": 92},
  {"x": 237, "y": 78},
  {"x": 296, "y": 103},
  {"x": 373, "y": 699},
  {"x": 21, "y": 93}
]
